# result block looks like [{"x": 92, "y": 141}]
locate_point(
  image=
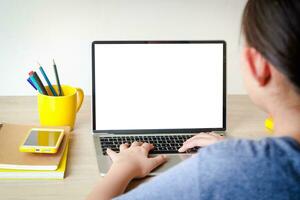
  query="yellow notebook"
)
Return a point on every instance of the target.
[{"x": 58, "y": 174}]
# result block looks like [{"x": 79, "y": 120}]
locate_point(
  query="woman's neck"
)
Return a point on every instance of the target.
[{"x": 287, "y": 121}]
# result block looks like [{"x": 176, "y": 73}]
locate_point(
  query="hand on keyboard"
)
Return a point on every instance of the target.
[
  {"x": 165, "y": 144},
  {"x": 201, "y": 140},
  {"x": 134, "y": 160}
]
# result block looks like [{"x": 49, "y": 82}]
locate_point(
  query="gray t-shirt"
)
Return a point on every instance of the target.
[{"x": 232, "y": 169}]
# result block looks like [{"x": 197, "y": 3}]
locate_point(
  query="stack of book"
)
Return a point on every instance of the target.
[{"x": 18, "y": 165}]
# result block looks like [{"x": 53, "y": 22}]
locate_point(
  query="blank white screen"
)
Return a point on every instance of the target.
[{"x": 158, "y": 86}]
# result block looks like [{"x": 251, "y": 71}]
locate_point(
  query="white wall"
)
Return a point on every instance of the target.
[{"x": 39, "y": 30}]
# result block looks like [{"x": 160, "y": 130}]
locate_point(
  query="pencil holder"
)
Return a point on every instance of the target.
[{"x": 60, "y": 110}]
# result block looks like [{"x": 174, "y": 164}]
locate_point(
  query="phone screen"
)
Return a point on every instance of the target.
[{"x": 42, "y": 138}]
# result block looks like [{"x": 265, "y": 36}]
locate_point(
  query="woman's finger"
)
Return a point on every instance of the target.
[
  {"x": 200, "y": 135},
  {"x": 158, "y": 160},
  {"x": 216, "y": 134},
  {"x": 187, "y": 146},
  {"x": 124, "y": 146},
  {"x": 197, "y": 142},
  {"x": 111, "y": 153},
  {"x": 135, "y": 143},
  {"x": 147, "y": 146}
]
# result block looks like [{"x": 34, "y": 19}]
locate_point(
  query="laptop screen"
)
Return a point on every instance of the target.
[{"x": 158, "y": 86}]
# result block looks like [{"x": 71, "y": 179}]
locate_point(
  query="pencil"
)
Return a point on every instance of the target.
[
  {"x": 60, "y": 92},
  {"x": 38, "y": 81},
  {"x": 47, "y": 80},
  {"x": 31, "y": 83},
  {"x": 35, "y": 84}
]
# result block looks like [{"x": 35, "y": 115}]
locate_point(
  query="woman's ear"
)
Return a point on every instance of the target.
[{"x": 258, "y": 66}]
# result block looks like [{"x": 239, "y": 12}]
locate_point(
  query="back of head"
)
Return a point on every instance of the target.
[{"x": 272, "y": 27}]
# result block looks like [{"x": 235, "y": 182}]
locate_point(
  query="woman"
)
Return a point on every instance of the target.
[{"x": 235, "y": 169}]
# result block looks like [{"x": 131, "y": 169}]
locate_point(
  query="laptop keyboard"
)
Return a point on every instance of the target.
[{"x": 162, "y": 144}]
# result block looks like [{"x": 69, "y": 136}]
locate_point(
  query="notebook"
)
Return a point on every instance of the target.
[
  {"x": 58, "y": 174},
  {"x": 11, "y": 136}
]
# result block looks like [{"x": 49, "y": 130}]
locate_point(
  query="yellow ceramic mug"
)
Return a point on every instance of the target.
[{"x": 60, "y": 110}]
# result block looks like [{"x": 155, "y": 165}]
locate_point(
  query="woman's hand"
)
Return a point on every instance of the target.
[
  {"x": 134, "y": 159},
  {"x": 201, "y": 140},
  {"x": 131, "y": 162}
]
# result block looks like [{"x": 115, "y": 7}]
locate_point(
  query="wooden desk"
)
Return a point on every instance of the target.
[{"x": 243, "y": 120}]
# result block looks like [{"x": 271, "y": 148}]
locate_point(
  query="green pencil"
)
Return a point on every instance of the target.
[{"x": 60, "y": 92}]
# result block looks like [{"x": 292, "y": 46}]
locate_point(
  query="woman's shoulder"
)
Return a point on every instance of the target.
[
  {"x": 252, "y": 166},
  {"x": 263, "y": 147},
  {"x": 273, "y": 151}
]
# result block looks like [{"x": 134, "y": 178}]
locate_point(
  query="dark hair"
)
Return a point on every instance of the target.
[{"x": 272, "y": 27}]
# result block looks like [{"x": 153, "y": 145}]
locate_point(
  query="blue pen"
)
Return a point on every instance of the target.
[
  {"x": 47, "y": 80},
  {"x": 31, "y": 83},
  {"x": 35, "y": 84}
]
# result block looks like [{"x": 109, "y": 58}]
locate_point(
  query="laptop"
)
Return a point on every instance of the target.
[{"x": 161, "y": 92}]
